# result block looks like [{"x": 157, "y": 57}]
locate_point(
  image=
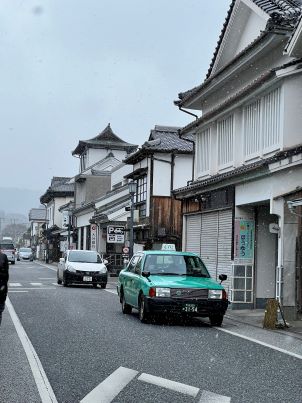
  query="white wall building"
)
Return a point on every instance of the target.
[{"x": 248, "y": 159}]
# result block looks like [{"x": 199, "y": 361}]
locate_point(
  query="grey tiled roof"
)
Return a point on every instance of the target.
[
  {"x": 59, "y": 186},
  {"x": 107, "y": 138},
  {"x": 283, "y": 13},
  {"x": 37, "y": 214},
  {"x": 163, "y": 139}
]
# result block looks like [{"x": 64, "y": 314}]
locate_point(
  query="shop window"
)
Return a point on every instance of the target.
[{"x": 242, "y": 283}]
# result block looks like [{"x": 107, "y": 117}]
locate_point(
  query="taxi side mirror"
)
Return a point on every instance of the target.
[
  {"x": 146, "y": 274},
  {"x": 222, "y": 277}
]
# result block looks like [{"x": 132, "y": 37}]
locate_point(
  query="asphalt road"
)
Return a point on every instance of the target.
[{"x": 82, "y": 338}]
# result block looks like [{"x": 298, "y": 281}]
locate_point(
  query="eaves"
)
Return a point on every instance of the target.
[{"x": 89, "y": 207}]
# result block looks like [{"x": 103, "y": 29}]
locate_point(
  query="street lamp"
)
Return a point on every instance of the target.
[{"x": 132, "y": 190}]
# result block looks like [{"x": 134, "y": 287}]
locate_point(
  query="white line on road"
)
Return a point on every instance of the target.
[
  {"x": 35, "y": 284},
  {"x": 45, "y": 390},
  {"x": 16, "y": 291},
  {"x": 46, "y": 278},
  {"x": 14, "y": 284},
  {"x": 281, "y": 350},
  {"x": 166, "y": 383},
  {"x": 35, "y": 289},
  {"x": 209, "y": 397},
  {"x": 106, "y": 391},
  {"x": 111, "y": 291}
]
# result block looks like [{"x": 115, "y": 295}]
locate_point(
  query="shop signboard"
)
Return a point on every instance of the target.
[
  {"x": 244, "y": 239},
  {"x": 115, "y": 234}
]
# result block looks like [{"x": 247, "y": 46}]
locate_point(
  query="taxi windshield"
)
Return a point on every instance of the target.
[{"x": 182, "y": 265}]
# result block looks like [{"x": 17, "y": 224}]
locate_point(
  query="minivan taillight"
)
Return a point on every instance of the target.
[{"x": 224, "y": 294}]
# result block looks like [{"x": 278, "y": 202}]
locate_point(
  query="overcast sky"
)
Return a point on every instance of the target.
[{"x": 69, "y": 67}]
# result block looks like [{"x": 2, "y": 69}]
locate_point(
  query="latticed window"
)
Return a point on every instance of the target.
[
  {"x": 262, "y": 125},
  {"x": 203, "y": 152},
  {"x": 141, "y": 194},
  {"x": 225, "y": 132}
]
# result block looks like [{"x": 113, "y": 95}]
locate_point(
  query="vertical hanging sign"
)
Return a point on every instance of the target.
[
  {"x": 93, "y": 237},
  {"x": 244, "y": 238}
]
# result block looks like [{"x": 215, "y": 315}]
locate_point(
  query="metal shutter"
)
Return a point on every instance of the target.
[
  {"x": 209, "y": 238},
  {"x": 193, "y": 228}
]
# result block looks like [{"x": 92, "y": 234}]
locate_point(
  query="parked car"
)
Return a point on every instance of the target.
[
  {"x": 82, "y": 267},
  {"x": 8, "y": 248},
  {"x": 25, "y": 254},
  {"x": 158, "y": 282}
]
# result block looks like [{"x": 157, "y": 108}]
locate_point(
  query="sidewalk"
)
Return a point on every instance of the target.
[{"x": 254, "y": 317}]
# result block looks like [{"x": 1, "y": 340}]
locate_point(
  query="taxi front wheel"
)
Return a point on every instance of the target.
[{"x": 143, "y": 315}]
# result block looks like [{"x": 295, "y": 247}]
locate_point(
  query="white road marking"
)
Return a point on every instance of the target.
[
  {"x": 45, "y": 390},
  {"x": 35, "y": 289},
  {"x": 14, "y": 285},
  {"x": 46, "y": 278},
  {"x": 15, "y": 291},
  {"x": 36, "y": 284},
  {"x": 210, "y": 397},
  {"x": 166, "y": 383},
  {"x": 281, "y": 350},
  {"x": 106, "y": 391},
  {"x": 111, "y": 291}
]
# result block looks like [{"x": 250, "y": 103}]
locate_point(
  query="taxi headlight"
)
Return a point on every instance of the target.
[
  {"x": 215, "y": 294},
  {"x": 163, "y": 292}
]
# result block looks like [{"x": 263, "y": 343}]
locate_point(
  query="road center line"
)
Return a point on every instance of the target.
[
  {"x": 281, "y": 350},
  {"x": 166, "y": 383},
  {"x": 45, "y": 390},
  {"x": 106, "y": 391}
]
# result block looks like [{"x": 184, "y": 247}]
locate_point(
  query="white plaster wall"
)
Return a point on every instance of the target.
[
  {"x": 58, "y": 202},
  {"x": 118, "y": 174},
  {"x": 279, "y": 183},
  {"x": 97, "y": 154},
  {"x": 83, "y": 220},
  {"x": 182, "y": 170},
  {"x": 162, "y": 176},
  {"x": 292, "y": 92},
  {"x": 266, "y": 254},
  {"x": 249, "y": 29}
]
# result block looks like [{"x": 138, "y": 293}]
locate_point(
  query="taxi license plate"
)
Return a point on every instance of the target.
[
  {"x": 86, "y": 278},
  {"x": 189, "y": 308}
]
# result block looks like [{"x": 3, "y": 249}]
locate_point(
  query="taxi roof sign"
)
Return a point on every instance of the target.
[{"x": 168, "y": 246}]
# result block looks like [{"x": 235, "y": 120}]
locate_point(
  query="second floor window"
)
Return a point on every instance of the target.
[
  {"x": 203, "y": 152},
  {"x": 141, "y": 194},
  {"x": 262, "y": 125},
  {"x": 225, "y": 136}
]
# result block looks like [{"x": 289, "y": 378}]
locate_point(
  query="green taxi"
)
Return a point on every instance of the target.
[{"x": 170, "y": 282}]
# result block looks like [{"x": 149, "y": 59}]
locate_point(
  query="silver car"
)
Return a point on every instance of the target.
[{"x": 25, "y": 254}]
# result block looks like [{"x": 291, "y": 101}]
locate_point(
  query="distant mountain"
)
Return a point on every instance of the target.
[{"x": 18, "y": 201}]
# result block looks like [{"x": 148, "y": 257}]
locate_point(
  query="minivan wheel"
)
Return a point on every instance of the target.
[
  {"x": 126, "y": 308},
  {"x": 142, "y": 314},
  {"x": 216, "y": 320},
  {"x": 64, "y": 282}
]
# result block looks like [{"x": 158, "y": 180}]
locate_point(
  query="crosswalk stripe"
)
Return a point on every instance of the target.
[
  {"x": 35, "y": 284},
  {"x": 15, "y": 285},
  {"x": 210, "y": 397}
]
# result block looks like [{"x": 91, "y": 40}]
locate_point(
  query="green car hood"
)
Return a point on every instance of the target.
[{"x": 183, "y": 282}]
